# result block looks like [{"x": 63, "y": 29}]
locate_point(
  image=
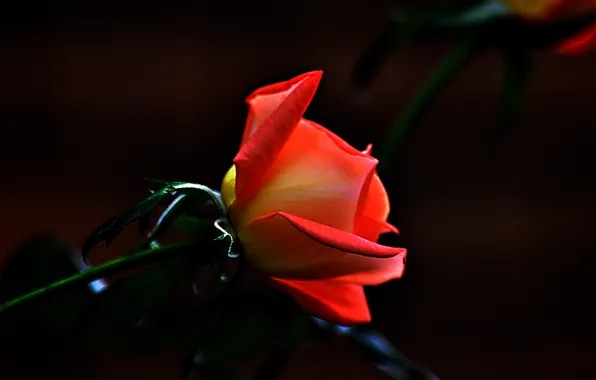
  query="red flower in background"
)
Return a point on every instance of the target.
[
  {"x": 553, "y": 10},
  {"x": 307, "y": 207}
]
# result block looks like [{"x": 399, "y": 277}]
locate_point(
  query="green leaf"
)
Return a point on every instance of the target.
[
  {"x": 189, "y": 197},
  {"x": 112, "y": 227},
  {"x": 182, "y": 204},
  {"x": 515, "y": 72},
  {"x": 42, "y": 260}
]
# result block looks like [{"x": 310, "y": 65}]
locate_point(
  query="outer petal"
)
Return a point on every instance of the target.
[
  {"x": 332, "y": 301},
  {"x": 341, "y": 143},
  {"x": 371, "y": 229},
  {"x": 315, "y": 176},
  {"x": 288, "y": 246},
  {"x": 580, "y": 44},
  {"x": 263, "y": 101},
  {"x": 373, "y": 210},
  {"x": 274, "y": 112},
  {"x": 374, "y": 202}
]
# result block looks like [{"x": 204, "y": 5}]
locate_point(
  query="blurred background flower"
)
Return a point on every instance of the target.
[{"x": 553, "y": 10}]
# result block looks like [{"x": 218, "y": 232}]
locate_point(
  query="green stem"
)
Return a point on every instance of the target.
[
  {"x": 515, "y": 68},
  {"x": 111, "y": 267},
  {"x": 424, "y": 97}
]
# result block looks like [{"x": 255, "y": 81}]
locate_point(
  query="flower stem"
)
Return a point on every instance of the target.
[
  {"x": 111, "y": 267},
  {"x": 424, "y": 97}
]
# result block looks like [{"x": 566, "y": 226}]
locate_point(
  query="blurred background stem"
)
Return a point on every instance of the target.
[{"x": 426, "y": 94}]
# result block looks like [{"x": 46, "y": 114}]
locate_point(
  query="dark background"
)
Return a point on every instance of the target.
[{"x": 500, "y": 277}]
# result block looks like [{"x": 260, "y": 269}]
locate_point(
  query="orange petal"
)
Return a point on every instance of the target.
[
  {"x": 333, "y": 301},
  {"x": 274, "y": 112},
  {"x": 580, "y": 44},
  {"x": 373, "y": 210},
  {"x": 284, "y": 245},
  {"x": 371, "y": 229},
  {"x": 263, "y": 101},
  {"x": 314, "y": 177},
  {"x": 341, "y": 143}
]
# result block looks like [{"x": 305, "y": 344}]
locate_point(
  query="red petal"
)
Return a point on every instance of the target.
[
  {"x": 580, "y": 44},
  {"x": 388, "y": 227},
  {"x": 333, "y": 301},
  {"x": 340, "y": 240},
  {"x": 371, "y": 229},
  {"x": 313, "y": 177},
  {"x": 373, "y": 210},
  {"x": 270, "y": 124},
  {"x": 341, "y": 143},
  {"x": 288, "y": 246},
  {"x": 263, "y": 101}
]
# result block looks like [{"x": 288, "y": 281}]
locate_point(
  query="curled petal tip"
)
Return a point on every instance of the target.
[
  {"x": 315, "y": 73},
  {"x": 314, "y": 77},
  {"x": 311, "y": 76}
]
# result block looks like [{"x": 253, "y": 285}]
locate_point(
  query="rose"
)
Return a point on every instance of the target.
[
  {"x": 307, "y": 207},
  {"x": 553, "y": 10}
]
